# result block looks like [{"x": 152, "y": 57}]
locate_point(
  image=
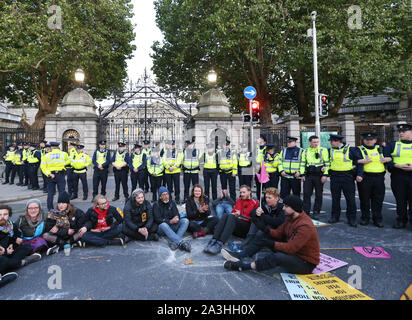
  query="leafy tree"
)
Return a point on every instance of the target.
[
  {"x": 38, "y": 56},
  {"x": 263, "y": 43}
]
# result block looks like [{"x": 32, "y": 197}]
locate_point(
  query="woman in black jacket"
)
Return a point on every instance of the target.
[
  {"x": 138, "y": 218},
  {"x": 63, "y": 224},
  {"x": 198, "y": 212}
]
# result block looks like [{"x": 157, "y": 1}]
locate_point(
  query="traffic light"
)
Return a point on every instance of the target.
[
  {"x": 324, "y": 108},
  {"x": 255, "y": 105},
  {"x": 246, "y": 118}
]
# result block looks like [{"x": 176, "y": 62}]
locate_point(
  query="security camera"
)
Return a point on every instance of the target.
[{"x": 313, "y": 15}]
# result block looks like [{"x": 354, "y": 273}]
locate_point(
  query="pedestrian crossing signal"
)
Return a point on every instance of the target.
[{"x": 324, "y": 108}]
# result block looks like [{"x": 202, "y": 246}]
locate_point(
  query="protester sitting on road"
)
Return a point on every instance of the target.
[
  {"x": 198, "y": 212},
  {"x": 236, "y": 223},
  {"x": 31, "y": 226},
  {"x": 170, "y": 224},
  {"x": 63, "y": 225},
  {"x": 270, "y": 214},
  {"x": 103, "y": 223},
  {"x": 13, "y": 253},
  {"x": 138, "y": 218},
  {"x": 222, "y": 205},
  {"x": 295, "y": 244}
]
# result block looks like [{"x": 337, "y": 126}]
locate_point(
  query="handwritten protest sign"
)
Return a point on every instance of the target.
[
  {"x": 372, "y": 252},
  {"x": 294, "y": 287},
  {"x": 311, "y": 291},
  {"x": 327, "y": 264},
  {"x": 332, "y": 287}
]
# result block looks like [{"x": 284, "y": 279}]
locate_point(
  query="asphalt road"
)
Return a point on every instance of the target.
[{"x": 152, "y": 271}]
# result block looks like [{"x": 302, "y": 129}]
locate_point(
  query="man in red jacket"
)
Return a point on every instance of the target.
[
  {"x": 237, "y": 223},
  {"x": 295, "y": 244}
]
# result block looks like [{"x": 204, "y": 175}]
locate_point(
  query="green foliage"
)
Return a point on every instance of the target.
[
  {"x": 38, "y": 62},
  {"x": 263, "y": 43}
]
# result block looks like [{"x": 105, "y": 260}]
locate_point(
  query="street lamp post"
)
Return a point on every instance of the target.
[{"x": 315, "y": 74}]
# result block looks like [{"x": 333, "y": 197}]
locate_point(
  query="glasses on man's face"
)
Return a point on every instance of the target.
[
  {"x": 33, "y": 208},
  {"x": 102, "y": 204}
]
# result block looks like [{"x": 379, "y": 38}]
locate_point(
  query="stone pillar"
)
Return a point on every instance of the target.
[
  {"x": 77, "y": 113},
  {"x": 293, "y": 127},
  {"x": 347, "y": 124}
]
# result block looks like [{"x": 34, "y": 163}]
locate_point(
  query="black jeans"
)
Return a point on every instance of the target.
[
  {"x": 173, "y": 180},
  {"x": 100, "y": 176},
  {"x": 210, "y": 178},
  {"x": 13, "y": 261},
  {"x": 155, "y": 184},
  {"x": 120, "y": 177},
  {"x": 134, "y": 234},
  {"x": 226, "y": 178},
  {"x": 291, "y": 263},
  {"x": 312, "y": 182},
  {"x": 209, "y": 223},
  {"x": 371, "y": 195},
  {"x": 288, "y": 184},
  {"x": 9, "y": 169},
  {"x": 346, "y": 184},
  {"x": 83, "y": 178},
  {"x": 101, "y": 239},
  {"x": 189, "y": 178},
  {"x": 229, "y": 224}
]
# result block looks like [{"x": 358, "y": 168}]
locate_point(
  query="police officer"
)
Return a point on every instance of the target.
[
  {"x": 137, "y": 166},
  {"x": 343, "y": 161},
  {"x": 101, "y": 161},
  {"x": 172, "y": 161},
  {"x": 146, "y": 150},
  {"x": 209, "y": 160},
  {"x": 314, "y": 175},
  {"x": 26, "y": 154},
  {"x": 155, "y": 169},
  {"x": 18, "y": 164},
  {"x": 42, "y": 145},
  {"x": 80, "y": 162},
  {"x": 8, "y": 159},
  {"x": 245, "y": 169},
  {"x": 191, "y": 167},
  {"x": 53, "y": 165},
  {"x": 290, "y": 167},
  {"x": 228, "y": 169},
  {"x": 371, "y": 185},
  {"x": 33, "y": 163},
  {"x": 120, "y": 162},
  {"x": 69, "y": 169},
  {"x": 271, "y": 161},
  {"x": 400, "y": 168},
  {"x": 261, "y": 146}
]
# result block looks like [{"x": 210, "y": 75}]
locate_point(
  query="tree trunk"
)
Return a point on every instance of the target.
[{"x": 302, "y": 98}]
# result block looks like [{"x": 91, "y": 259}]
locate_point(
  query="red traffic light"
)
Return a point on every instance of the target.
[
  {"x": 324, "y": 98},
  {"x": 255, "y": 105}
]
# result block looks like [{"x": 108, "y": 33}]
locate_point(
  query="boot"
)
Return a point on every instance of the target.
[
  {"x": 185, "y": 246},
  {"x": 30, "y": 259},
  {"x": 209, "y": 245}
]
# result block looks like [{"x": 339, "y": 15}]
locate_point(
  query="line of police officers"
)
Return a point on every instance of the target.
[{"x": 343, "y": 164}]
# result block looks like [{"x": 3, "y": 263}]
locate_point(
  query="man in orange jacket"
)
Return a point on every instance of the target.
[{"x": 298, "y": 252}]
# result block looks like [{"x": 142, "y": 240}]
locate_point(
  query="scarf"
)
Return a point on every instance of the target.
[
  {"x": 8, "y": 228},
  {"x": 61, "y": 218},
  {"x": 34, "y": 224},
  {"x": 101, "y": 217}
]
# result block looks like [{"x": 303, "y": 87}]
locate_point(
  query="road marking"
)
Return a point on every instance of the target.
[{"x": 227, "y": 283}]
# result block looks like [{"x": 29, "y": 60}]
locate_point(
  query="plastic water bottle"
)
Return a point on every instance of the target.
[
  {"x": 234, "y": 247},
  {"x": 67, "y": 248}
]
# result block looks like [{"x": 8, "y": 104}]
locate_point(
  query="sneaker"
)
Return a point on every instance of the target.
[
  {"x": 53, "y": 250},
  {"x": 209, "y": 245},
  {"x": 216, "y": 248},
  {"x": 173, "y": 246},
  {"x": 230, "y": 265},
  {"x": 231, "y": 255},
  {"x": 30, "y": 259},
  {"x": 7, "y": 278},
  {"x": 116, "y": 241},
  {"x": 185, "y": 246}
]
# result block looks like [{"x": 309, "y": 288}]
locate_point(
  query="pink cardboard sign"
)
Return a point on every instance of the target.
[
  {"x": 372, "y": 252},
  {"x": 327, "y": 264}
]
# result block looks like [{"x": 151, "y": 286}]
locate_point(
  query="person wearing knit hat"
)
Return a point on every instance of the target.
[
  {"x": 31, "y": 225},
  {"x": 63, "y": 224},
  {"x": 170, "y": 224},
  {"x": 138, "y": 218},
  {"x": 295, "y": 244}
]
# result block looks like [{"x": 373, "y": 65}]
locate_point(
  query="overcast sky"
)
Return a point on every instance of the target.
[{"x": 146, "y": 33}]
